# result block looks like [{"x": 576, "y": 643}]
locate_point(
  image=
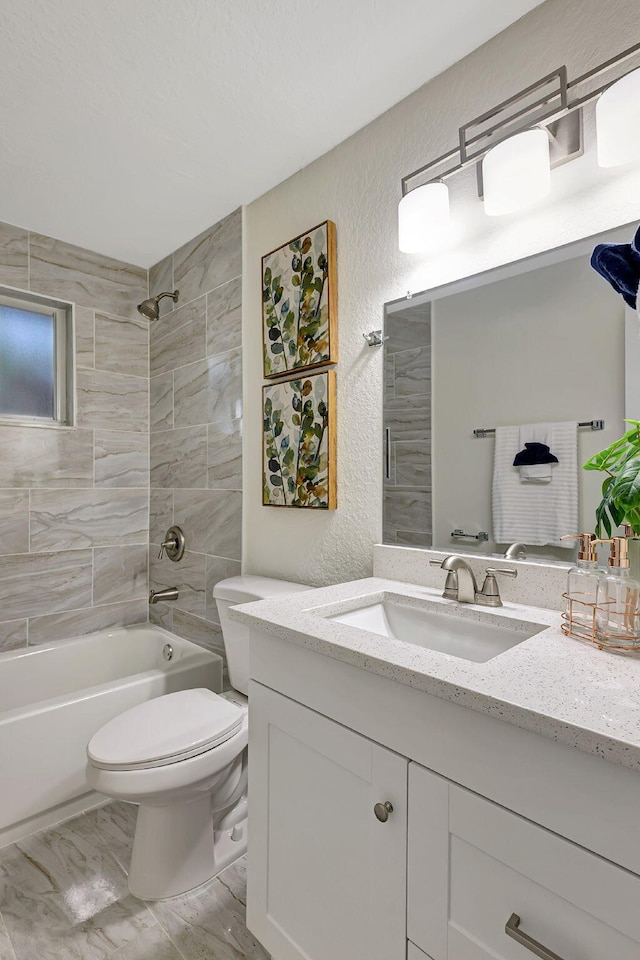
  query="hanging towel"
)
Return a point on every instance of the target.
[
  {"x": 536, "y": 433},
  {"x": 536, "y": 513}
]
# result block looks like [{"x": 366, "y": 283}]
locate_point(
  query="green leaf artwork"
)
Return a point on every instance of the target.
[
  {"x": 299, "y": 303},
  {"x": 299, "y": 446}
]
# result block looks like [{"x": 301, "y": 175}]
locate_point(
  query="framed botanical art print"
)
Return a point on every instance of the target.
[
  {"x": 299, "y": 442},
  {"x": 300, "y": 303}
]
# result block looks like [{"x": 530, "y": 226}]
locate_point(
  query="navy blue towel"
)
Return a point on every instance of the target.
[{"x": 619, "y": 263}]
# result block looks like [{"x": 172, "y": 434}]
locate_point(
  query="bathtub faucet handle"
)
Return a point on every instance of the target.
[{"x": 173, "y": 544}]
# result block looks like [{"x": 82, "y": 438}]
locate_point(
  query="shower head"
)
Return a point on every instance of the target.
[{"x": 149, "y": 308}]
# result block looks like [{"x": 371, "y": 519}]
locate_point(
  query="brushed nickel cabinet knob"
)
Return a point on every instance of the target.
[{"x": 382, "y": 811}]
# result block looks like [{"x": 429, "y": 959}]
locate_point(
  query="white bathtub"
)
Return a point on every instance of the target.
[{"x": 54, "y": 697}]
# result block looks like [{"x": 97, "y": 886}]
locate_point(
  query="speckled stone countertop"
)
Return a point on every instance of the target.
[{"x": 553, "y": 685}]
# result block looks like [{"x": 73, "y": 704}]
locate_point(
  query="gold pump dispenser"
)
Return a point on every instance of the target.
[
  {"x": 618, "y": 552},
  {"x": 587, "y": 540},
  {"x": 618, "y": 600},
  {"x": 582, "y": 588}
]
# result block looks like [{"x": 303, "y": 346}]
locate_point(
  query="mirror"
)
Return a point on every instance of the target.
[{"x": 542, "y": 341}]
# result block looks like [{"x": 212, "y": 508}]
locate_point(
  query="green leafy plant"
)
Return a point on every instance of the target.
[{"x": 620, "y": 461}]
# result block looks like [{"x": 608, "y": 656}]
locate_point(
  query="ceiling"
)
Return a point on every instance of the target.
[{"x": 128, "y": 126}]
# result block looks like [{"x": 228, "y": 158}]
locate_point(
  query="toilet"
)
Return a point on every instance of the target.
[{"x": 182, "y": 758}]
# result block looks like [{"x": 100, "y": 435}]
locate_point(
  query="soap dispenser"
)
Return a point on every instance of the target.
[
  {"x": 618, "y": 600},
  {"x": 582, "y": 585}
]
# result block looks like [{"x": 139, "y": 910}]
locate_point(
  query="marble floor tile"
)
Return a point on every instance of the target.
[
  {"x": 224, "y": 317},
  {"x": 13, "y": 635},
  {"x": 210, "y": 259},
  {"x": 44, "y": 456},
  {"x": 122, "y": 345},
  {"x": 42, "y": 583},
  {"x": 152, "y": 944},
  {"x": 224, "y": 455},
  {"x": 14, "y": 521},
  {"x": 180, "y": 337},
  {"x": 71, "y": 519},
  {"x": 209, "y": 923},
  {"x": 121, "y": 459},
  {"x": 59, "y": 269},
  {"x": 115, "y": 824},
  {"x": 14, "y": 256},
  {"x": 120, "y": 573},
  {"x": 64, "y": 897},
  {"x": 77, "y": 623},
  {"x": 112, "y": 401}
]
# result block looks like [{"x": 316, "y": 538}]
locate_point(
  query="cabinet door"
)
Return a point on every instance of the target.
[
  {"x": 327, "y": 879},
  {"x": 473, "y": 865}
]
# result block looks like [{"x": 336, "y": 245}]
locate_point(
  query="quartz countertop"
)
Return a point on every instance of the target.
[{"x": 556, "y": 686}]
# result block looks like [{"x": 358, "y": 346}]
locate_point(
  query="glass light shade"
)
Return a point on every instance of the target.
[
  {"x": 618, "y": 122},
  {"x": 516, "y": 173},
  {"x": 423, "y": 216}
]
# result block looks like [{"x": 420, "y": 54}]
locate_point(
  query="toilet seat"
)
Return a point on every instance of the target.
[{"x": 165, "y": 730}]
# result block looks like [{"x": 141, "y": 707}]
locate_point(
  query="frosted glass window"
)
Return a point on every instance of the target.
[{"x": 27, "y": 363}]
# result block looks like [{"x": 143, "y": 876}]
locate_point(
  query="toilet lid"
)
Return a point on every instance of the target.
[{"x": 165, "y": 730}]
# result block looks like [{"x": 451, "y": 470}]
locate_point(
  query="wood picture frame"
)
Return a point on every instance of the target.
[
  {"x": 299, "y": 445},
  {"x": 300, "y": 303}
]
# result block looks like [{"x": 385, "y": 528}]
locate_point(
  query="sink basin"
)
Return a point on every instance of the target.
[{"x": 470, "y": 635}]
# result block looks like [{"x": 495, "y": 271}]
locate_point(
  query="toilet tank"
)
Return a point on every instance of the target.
[{"x": 229, "y": 593}]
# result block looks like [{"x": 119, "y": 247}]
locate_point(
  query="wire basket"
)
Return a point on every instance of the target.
[{"x": 579, "y": 621}]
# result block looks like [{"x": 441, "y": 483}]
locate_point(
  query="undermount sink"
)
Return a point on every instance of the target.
[{"x": 471, "y": 635}]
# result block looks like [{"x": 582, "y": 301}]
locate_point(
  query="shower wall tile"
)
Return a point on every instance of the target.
[
  {"x": 122, "y": 345},
  {"x": 205, "y": 633},
  {"x": 161, "y": 614},
  {"x": 161, "y": 281},
  {"x": 14, "y": 521},
  {"x": 179, "y": 458},
  {"x": 224, "y": 455},
  {"x": 161, "y": 401},
  {"x": 121, "y": 459},
  {"x": 14, "y": 256},
  {"x": 64, "y": 626},
  {"x": 112, "y": 401},
  {"x": 39, "y": 583},
  {"x": 85, "y": 336},
  {"x": 210, "y": 259},
  {"x": 180, "y": 337},
  {"x": 412, "y": 371},
  {"x": 224, "y": 317},
  {"x": 66, "y": 520},
  {"x": 59, "y": 269},
  {"x": 60, "y": 490},
  {"x": 412, "y": 463},
  {"x": 13, "y": 636},
  {"x": 209, "y": 391},
  {"x": 211, "y": 521},
  {"x": 120, "y": 573},
  {"x": 189, "y": 576},
  {"x": 160, "y": 513},
  {"x": 45, "y": 456}
]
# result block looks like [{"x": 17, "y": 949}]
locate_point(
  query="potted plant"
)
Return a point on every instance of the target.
[{"x": 620, "y": 503}]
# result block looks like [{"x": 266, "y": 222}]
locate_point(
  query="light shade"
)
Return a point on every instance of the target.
[
  {"x": 618, "y": 122},
  {"x": 516, "y": 173},
  {"x": 423, "y": 216}
]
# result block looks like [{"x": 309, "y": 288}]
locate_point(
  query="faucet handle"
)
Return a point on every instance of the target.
[
  {"x": 436, "y": 563},
  {"x": 490, "y": 595},
  {"x": 505, "y": 572}
]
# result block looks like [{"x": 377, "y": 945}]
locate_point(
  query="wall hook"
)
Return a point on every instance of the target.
[{"x": 375, "y": 338}]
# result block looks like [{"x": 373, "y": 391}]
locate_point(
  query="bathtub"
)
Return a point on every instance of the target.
[{"x": 54, "y": 697}]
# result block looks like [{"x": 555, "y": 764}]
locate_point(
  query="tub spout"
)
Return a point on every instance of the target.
[{"x": 158, "y": 596}]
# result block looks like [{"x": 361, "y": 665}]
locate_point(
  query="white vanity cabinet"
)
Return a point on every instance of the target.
[{"x": 327, "y": 878}]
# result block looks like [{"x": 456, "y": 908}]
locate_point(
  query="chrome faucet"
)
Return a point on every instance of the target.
[
  {"x": 159, "y": 596},
  {"x": 461, "y": 584},
  {"x": 517, "y": 551}
]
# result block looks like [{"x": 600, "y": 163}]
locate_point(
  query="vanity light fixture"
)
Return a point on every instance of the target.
[
  {"x": 618, "y": 122},
  {"x": 507, "y": 145},
  {"x": 516, "y": 173}
]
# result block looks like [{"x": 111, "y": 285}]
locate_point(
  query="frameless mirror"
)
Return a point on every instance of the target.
[{"x": 542, "y": 341}]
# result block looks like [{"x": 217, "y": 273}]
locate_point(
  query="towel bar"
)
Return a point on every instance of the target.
[{"x": 593, "y": 424}]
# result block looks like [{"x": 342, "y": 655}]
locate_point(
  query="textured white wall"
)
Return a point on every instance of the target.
[{"x": 358, "y": 185}]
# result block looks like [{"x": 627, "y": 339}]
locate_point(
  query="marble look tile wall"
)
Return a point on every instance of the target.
[
  {"x": 74, "y": 504},
  {"x": 407, "y": 416},
  {"x": 196, "y": 426}
]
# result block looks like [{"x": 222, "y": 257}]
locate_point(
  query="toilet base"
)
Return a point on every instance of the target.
[{"x": 174, "y": 849}]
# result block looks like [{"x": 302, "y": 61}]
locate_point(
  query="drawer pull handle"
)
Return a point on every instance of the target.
[
  {"x": 382, "y": 811},
  {"x": 512, "y": 929}
]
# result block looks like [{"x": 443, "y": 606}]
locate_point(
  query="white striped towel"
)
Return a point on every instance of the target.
[{"x": 536, "y": 513}]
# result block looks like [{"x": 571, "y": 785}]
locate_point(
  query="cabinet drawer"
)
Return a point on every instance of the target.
[{"x": 473, "y": 864}]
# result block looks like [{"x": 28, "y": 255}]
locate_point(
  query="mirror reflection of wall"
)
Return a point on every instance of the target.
[{"x": 538, "y": 341}]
